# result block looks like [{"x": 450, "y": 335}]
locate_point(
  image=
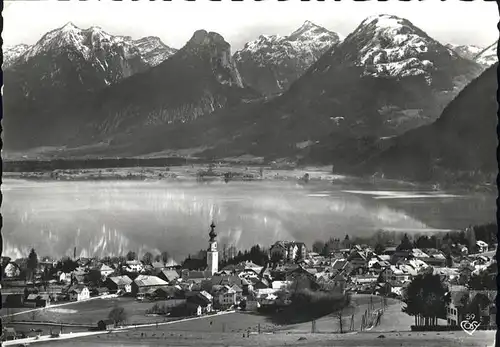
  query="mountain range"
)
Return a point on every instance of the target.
[
  {"x": 385, "y": 78},
  {"x": 308, "y": 97}
]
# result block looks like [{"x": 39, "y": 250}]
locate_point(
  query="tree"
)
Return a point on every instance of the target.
[
  {"x": 276, "y": 257},
  {"x": 318, "y": 246},
  {"x": 93, "y": 277},
  {"x": 67, "y": 265},
  {"x": 485, "y": 280},
  {"x": 165, "y": 257},
  {"x": 379, "y": 249},
  {"x": 471, "y": 238},
  {"x": 131, "y": 255},
  {"x": 32, "y": 264},
  {"x": 425, "y": 297},
  {"x": 147, "y": 259},
  {"x": 405, "y": 244},
  {"x": 424, "y": 242},
  {"x": 118, "y": 315}
]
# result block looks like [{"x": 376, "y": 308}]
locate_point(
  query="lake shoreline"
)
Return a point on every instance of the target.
[{"x": 237, "y": 174}]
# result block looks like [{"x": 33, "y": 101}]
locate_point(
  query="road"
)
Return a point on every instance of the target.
[{"x": 94, "y": 333}]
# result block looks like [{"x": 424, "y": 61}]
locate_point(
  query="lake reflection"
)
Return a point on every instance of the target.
[{"x": 106, "y": 218}]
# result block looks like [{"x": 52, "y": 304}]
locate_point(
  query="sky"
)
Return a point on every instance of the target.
[{"x": 174, "y": 22}]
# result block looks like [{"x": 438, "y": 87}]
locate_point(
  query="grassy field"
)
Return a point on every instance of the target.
[
  {"x": 90, "y": 312},
  {"x": 177, "y": 339}
]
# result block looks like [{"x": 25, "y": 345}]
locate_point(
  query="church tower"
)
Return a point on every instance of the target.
[{"x": 212, "y": 253}]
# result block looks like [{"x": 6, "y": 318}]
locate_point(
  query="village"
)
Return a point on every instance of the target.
[{"x": 123, "y": 291}]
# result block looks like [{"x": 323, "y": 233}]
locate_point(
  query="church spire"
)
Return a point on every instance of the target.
[{"x": 212, "y": 233}]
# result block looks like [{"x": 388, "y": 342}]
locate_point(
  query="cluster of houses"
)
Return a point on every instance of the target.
[{"x": 250, "y": 286}]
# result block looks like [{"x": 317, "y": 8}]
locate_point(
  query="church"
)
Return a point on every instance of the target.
[{"x": 212, "y": 252}]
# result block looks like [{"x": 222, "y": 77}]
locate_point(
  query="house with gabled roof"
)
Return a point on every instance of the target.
[
  {"x": 168, "y": 275},
  {"x": 288, "y": 250},
  {"x": 224, "y": 296},
  {"x": 199, "y": 302},
  {"x": 105, "y": 270},
  {"x": 455, "y": 309},
  {"x": 195, "y": 276},
  {"x": 143, "y": 283},
  {"x": 119, "y": 283},
  {"x": 358, "y": 259},
  {"x": 78, "y": 292},
  {"x": 227, "y": 280}
]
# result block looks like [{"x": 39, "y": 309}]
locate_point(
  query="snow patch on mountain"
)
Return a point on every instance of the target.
[
  {"x": 153, "y": 51},
  {"x": 466, "y": 51},
  {"x": 488, "y": 56},
  {"x": 12, "y": 53},
  {"x": 91, "y": 43},
  {"x": 390, "y": 46},
  {"x": 306, "y": 43}
]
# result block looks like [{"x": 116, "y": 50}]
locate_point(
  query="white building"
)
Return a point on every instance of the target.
[
  {"x": 105, "y": 271},
  {"x": 79, "y": 293},
  {"x": 212, "y": 253},
  {"x": 482, "y": 246},
  {"x": 134, "y": 266}
]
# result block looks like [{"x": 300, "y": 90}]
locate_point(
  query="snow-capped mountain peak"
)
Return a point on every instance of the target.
[
  {"x": 307, "y": 26},
  {"x": 95, "y": 41},
  {"x": 465, "y": 51},
  {"x": 272, "y": 62},
  {"x": 12, "y": 53},
  {"x": 488, "y": 56},
  {"x": 386, "y": 45}
]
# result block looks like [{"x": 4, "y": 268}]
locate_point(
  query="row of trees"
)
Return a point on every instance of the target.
[
  {"x": 427, "y": 297},
  {"x": 443, "y": 241},
  {"x": 256, "y": 254}
]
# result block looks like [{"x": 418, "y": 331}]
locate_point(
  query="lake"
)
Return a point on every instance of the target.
[{"x": 112, "y": 217}]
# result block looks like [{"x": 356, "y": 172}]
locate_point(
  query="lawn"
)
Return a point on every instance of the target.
[
  {"x": 90, "y": 312},
  {"x": 196, "y": 338},
  {"x": 392, "y": 319}
]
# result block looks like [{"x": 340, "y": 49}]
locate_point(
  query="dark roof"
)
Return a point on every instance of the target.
[
  {"x": 230, "y": 280},
  {"x": 198, "y": 300},
  {"x": 120, "y": 280},
  {"x": 198, "y": 274},
  {"x": 170, "y": 275}
]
